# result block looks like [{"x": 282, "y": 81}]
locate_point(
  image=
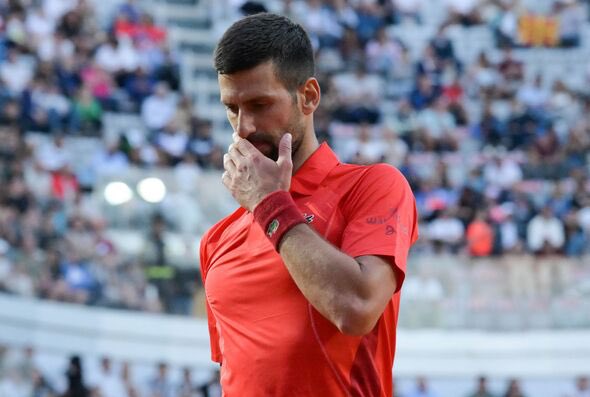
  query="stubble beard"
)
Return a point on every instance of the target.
[{"x": 295, "y": 128}]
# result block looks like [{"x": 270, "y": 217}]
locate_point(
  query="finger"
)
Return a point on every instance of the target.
[
  {"x": 229, "y": 164},
  {"x": 233, "y": 153},
  {"x": 235, "y": 137},
  {"x": 246, "y": 148},
  {"x": 226, "y": 179},
  {"x": 240, "y": 161},
  {"x": 284, "y": 160}
]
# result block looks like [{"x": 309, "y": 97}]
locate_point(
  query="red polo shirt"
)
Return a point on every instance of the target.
[{"x": 268, "y": 338}]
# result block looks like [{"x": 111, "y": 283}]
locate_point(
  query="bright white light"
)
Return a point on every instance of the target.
[
  {"x": 152, "y": 190},
  {"x": 117, "y": 193}
]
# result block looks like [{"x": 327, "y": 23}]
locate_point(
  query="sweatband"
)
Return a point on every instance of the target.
[{"x": 277, "y": 214}]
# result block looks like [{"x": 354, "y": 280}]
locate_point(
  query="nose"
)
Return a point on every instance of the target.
[{"x": 245, "y": 125}]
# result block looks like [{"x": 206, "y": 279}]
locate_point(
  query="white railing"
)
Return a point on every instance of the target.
[{"x": 139, "y": 337}]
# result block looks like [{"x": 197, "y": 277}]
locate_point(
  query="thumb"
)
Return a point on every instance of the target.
[{"x": 284, "y": 159}]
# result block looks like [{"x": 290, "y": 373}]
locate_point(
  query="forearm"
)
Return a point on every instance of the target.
[{"x": 338, "y": 286}]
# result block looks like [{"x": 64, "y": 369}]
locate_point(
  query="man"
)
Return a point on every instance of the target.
[{"x": 302, "y": 282}]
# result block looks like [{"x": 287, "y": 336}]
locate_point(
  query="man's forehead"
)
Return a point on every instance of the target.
[{"x": 249, "y": 84}]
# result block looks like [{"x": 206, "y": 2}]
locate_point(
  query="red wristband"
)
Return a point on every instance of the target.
[{"x": 277, "y": 214}]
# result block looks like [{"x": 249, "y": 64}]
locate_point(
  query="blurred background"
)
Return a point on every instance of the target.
[{"x": 111, "y": 144}]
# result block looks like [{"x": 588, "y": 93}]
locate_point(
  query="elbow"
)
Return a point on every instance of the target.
[{"x": 357, "y": 320}]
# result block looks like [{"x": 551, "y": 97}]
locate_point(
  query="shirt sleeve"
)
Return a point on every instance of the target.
[
  {"x": 213, "y": 334},
  {"x": 381, "y": 218}
]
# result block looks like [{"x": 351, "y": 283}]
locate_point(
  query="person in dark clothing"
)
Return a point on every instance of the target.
[{"x": 75, "y": 375}]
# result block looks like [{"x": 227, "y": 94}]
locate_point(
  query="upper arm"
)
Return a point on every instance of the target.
[{"x": 380, "y": 279}]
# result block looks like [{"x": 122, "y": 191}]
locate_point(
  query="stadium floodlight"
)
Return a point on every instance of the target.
[
  {"x": 151, "y": 190},
  {"x": 117, "y": 193}
]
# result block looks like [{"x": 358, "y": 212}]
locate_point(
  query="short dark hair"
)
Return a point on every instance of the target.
[{"x": 263, "y": 37}]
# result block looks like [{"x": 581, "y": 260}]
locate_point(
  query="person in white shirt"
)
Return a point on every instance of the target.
[
  {"x": 107, "y": 56},
  {"x": 446, "y": 229},
  {"x": 158, "y": 109},
  {"x": 15, "y": 72},
  {"x": 39, "y": 25},
  {"x": 108, "y": 381},
  {"x": 502, "y": 171},
  {"x": 172, "y": 142},
  {"x": 546, "y": 239},
  {"x": 53, "y": 155},
  {"x": 545, "y": 232}
]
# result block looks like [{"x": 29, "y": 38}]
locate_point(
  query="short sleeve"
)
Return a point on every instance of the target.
[
  {"x": 211, "y": 322},
  {"x": 381, "y": 218}
]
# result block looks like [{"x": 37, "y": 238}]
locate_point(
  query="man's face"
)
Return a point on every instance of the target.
[{"x": 260, "y": 108}]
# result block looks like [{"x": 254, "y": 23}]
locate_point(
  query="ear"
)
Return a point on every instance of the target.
[{"x": 310, "y": 95}]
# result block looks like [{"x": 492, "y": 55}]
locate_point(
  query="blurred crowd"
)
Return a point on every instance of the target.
[
  {"x": 60, "y": 70},
  {"x": 513, "y": 388},
  {"x": 498, "y": 161},
  {"x": 21, "y": 375},
  {"x": 24, "y": 374}
]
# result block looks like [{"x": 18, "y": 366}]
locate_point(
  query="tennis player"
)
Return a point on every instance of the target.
[{"x": 302, "y": 281}]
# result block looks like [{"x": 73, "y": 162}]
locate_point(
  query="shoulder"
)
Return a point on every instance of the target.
[
  {"x": 377, "y": 177},
  {"x": 375, "y": 185}
]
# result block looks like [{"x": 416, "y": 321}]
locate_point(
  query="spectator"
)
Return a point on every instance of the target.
[
  {"x": 502, "y": 171},
  {"x": 172, "y": 143},
  {"x": 41, "y": 386},
  {"x": 422, "y": 389},
  {"x": 438, "y": 127},
  {"x": 447, "y": 229},
  {"x": 534, "y": 96},
  {"x": 382, "y": 53},
  {"x": 506, "y": 27},
  {"x": 368, "y": 149},
  {"x": 158, "y": 109},
  {"x": 86, "y": 113},
  {"x": 395, "y": 150},
  {"x": 582, "y": 388},
  {"x": 512, "y": 72},
  {"x": 545, "y": 233},
  {"x": 127, "y": 380},
  {"x": 482, "y": 388},
  {"x": 359, "y": 94},
  {"x": 107, "y": 383},
  {"x": 160, "y": 385},
  {"x": 480, "y": 236},
  {"x": 75, "y": 379},
  {"x": 513, "y": 389},
  {"x": 186, "y": 388},
  {"x": 424, "y": 94},
  {"x": 139, "y": 85},
  {"x": 15, "y": 72},
  {"x": 571, "y": 19}
]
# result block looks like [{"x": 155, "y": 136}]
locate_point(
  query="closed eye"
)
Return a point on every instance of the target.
[{"x": 231, "y": 109}]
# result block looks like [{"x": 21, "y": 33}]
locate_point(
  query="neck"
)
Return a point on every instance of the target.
[{"x": 308, "y": 145}]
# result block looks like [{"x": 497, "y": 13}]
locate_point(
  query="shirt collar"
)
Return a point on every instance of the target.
[{"x": 314, "y": 170}]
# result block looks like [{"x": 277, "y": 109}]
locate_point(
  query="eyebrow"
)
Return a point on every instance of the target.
[{"x": 256, "y": 98}]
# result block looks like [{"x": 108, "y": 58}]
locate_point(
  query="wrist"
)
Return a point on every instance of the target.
[{"x": 276, "y": 214}]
